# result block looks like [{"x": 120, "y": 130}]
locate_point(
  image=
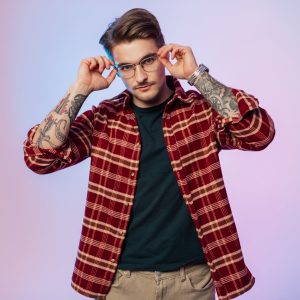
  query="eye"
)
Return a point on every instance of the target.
[
  {"x": 149, "y": 60},
  {"x": 126, "y": 68}
]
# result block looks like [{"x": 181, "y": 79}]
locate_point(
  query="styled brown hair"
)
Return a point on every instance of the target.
[{"x": 137, "y": 23}]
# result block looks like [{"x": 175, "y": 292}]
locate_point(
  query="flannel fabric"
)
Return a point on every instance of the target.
[{"x": 194, "y": 135}]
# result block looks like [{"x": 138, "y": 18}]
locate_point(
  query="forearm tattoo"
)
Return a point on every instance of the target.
[
  {"x": 75, "y": 106},
  {"x": 59, "y": 130},
  {"x": 218, "y": 95},
  {"x": 67, "y": 107},
  {"x": 61, "y": 106}
]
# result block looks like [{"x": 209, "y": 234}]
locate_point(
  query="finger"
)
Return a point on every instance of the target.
[
  {"x": 173, "y": 53},
  {"x": 92, "y": 63},
  {"x": 166, "y": 48},
  {"x": 177, "y": 52},
  {"x": 166, "y": 63},
  {"x": 160, "y": 50},
  {"x": 164, "y": 52},
  {"x": 87, "y": 60},
  {"x": 111, "y": 76},
  {"x": 107, "y": 62},
  {"x": 101, "y": 64}
]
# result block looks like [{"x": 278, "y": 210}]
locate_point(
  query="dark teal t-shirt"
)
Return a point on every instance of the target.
[{"x": 161, "y": 235}]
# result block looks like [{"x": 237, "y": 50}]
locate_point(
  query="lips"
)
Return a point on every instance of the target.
[{"x": 144, "y": 86}]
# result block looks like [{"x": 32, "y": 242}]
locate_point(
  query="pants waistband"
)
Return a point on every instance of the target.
[{"x": 166, "y": 274}]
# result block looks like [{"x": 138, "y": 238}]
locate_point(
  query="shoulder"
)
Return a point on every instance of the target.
[
  {"x": 199, "y": 105},
  {"x": 197, "y": 99},
  {"x": 113, "y": 106}
]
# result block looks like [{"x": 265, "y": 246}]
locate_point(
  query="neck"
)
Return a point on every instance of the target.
[{"x": 166, "y": 93}]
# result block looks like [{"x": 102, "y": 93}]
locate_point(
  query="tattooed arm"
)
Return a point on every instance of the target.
[
  {"x": 61, "y": 141},
  {"x": 218, "y": 95},
  {"x": 239, "y": 122},
  {"x": 53, "y": 131}
]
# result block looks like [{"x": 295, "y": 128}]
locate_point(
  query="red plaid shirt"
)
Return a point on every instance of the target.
[{"x": 194, "y": 135}]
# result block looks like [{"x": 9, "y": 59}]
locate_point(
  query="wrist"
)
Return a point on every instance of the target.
[
  {"x": 80, "y": 88},
  {"x": 197, "y": 73}
]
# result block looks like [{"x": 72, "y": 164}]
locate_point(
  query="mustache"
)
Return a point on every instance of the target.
[{"x": 143, "y": 84}]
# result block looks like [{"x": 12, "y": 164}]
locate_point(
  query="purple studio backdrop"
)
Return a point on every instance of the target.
[{"x": 251, "y": 45}]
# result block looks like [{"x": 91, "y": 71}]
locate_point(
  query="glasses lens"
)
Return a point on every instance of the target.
[
  {"x": 126, "y": 71},
  {"x": 150, "y": 63}
]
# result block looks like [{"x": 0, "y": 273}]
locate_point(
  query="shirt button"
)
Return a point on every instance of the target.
[
  {"x": 132, "y": 174},
  {"x": 113, "y": 260},
  {"x": 121, "y": 232},
  {"x": 126, "y": 203}
]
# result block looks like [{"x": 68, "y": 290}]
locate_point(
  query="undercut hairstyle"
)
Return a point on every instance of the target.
[{"x": 137, "y": 23}]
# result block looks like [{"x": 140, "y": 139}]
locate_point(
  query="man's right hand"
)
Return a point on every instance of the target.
[
  {"x": 54, "y": 129},
  {"x": 90, "y": 73}
]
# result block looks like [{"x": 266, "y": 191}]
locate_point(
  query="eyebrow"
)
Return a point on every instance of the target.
[{"x": 145, "y": 56}]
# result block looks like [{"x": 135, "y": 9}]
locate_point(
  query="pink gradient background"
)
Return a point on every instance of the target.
[{"x": 251, "y": 45}]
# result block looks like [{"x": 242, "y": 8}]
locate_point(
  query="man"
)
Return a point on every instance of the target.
[{"x": 157, "y": 224}]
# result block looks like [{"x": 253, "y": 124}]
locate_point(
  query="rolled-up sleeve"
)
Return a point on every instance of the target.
[
  {"x": 254, "y": 130},
  {"x": 76, "y": 148}
]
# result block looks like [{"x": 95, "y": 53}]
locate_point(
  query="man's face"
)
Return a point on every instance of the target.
[{"x": 147, "y": 87}]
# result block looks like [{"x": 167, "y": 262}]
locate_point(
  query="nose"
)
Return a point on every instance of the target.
[{"x": 140, "y": 74}]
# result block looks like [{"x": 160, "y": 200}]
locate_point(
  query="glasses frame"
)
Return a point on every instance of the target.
[{"x": 154, "y": 55}]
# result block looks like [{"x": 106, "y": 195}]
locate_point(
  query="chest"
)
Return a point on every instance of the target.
[{"x": 186, "y": 135}]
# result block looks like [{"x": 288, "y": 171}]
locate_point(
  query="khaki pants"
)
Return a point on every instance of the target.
[{"x": 192, "y": 282}]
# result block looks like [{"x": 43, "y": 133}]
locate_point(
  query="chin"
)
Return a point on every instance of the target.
[
  {"x": 147, "y": 96},
  {"x": 150, "y": 97}
]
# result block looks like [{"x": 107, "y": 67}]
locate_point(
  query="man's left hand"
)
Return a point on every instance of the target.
[{"x": 185, "y": 64}]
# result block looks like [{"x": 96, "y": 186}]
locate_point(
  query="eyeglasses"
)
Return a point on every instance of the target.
[{"x": 149, "y": 64}]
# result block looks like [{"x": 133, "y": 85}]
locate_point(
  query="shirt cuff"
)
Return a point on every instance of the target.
[
  {"x": 246, "y": 103},
  {"x": 31, "y": 149}
]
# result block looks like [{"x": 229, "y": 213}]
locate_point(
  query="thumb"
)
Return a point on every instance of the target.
[{"x": 111, "y": 76}]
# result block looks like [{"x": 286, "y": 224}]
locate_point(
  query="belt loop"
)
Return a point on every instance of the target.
[
  {"x": 128, "y": 273},
  {"x": 182, "y": 273},
  {"x": 157, "y": 277}
]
